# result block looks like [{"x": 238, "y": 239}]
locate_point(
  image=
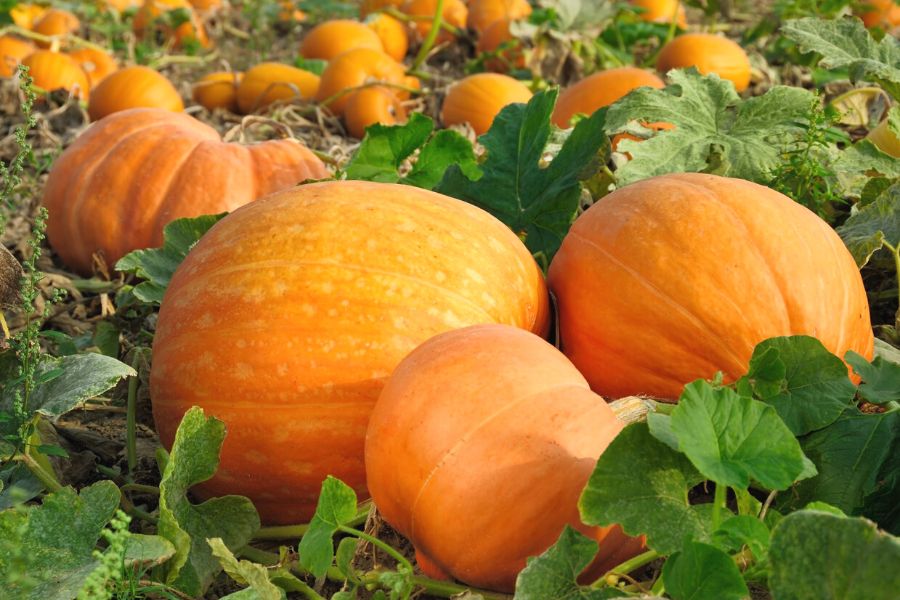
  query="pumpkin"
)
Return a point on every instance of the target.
[
  {"x": 478, "y": 98},
  {"x": 218, "y": 90},
  {"x": 676, "y": 277},
  {"x": 12, "y": 51},
  {"x": 422, "y": 11},
  {"x": 484, "y": 13},
  {"x": 54, "y": 70},
  {"x": 290, "y": 13},
  {"x": 495, "y": 36},
  {"x": 270, "y": 82},
  {"x": 488, "y": 433},
  {"x": 599, "y": 90},
  {"x": 661, "y": 11},
  {"x": 881, "y": 13},
  {"x": 331, "y": 38},
  {"x": 26, "y": 15},
  {"x": 885, "y": 139},
  {"x": 55, "y": 22},
  {"x": 133, "y": 87},
  {"x": 130, "y": 174},
  {"x": 206, "y": 5},
  {"x": 656, "y": 127},
  {"x": 392, "y": 34},
  {"x": 367, "y": 7},
  {"x": 288, "y": 316},
  {"x": 148, "y": 21},
  {"x": 710, "y": 54},
  {"x": 353, "y": 69},
  {"x": 371, "y": 105},
  {"x": 96, "y": 63}
]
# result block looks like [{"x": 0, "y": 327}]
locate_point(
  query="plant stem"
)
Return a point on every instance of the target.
[
  {"x": 140, "y": 488},
  {"x": 428, "y": 43},
  {"x": 718, "y": 505},
  {"x": 378, "y": 543},
  {"x": 627, "y": 567},
  {"x": 281, "y": 532},
  {"x": 767, "y": 504},
  {"x": 130, "y": 416},
  {"x": 448, "y": 589},
  {"x": 658, "y": 587},
  {"x": 48, "y": 480}
]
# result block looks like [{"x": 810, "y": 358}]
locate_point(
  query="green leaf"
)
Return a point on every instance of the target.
[
  {"x": 845, "y": 43},
  {"x": 816, "y": 556},
  {"x": 872, "y": 226},
  {"x": 253, "y": 575},
  {"x": 157, "y": 265},
  {"x": 703, "y": 572},
  {"x": 537, "y": 202},
  {"x": 802, "y": 380},
  {"x": 714, "y": 128},
  {"x": 856, "y": 163},
  {"x": 732, "y": 439},
  {"x": 58, "y": 537},
  {"x": 147, "y": 551},
  {"x": 313, "y": 65},
  {"x": 554, "y": 574},
  {"x": 106, "y": 338},
  {"x": 881, "y": 378},
  {"x": 642, "y": 484},
  {"x": 343, "y": 558},
  {"x": 195, "y": 458},
  {"x": 336, "y": 507},
  {"x": 743, "y": 530}
]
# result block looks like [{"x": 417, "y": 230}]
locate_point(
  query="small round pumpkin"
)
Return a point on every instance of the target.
[
  {"x": 676, "y": 277},
  {"x": 478, "y": 98},
  {"x": 488, "y": 433},
  {"x": 26, "y": 15},
  {"x": 218, "y": 90},
  {"x": 131, "y": 173},
  {"x": 148, "y": 21},
  {"x": 423, "y": 11},
  {"x": 599, "y": 90},
  {"x": 392, "y": 34},
  {"x": 495, "y": 36},
  {"x": 270, "y": 82},
  {"x": 331, "y": 38},
  {"x": 884, "y": 138},
  {"x": 12, "y": 51},
  {"x": 484, "y": 13},
  {"x": 710, "y": 54},
  {"x": 96, "y": 63},
  {"x": 353, "y": 69},
  {"x": 289, "y": 12},
  {"x": 371, "y": 105},
  {"x": 881, "y": 13},
  {"x": 54, "y": 70},
  {"x": 288, "y": 316},
  {"x": 134, "y": 87},
  {"x": 56, "y": 22},
  {"x": 661, "y": 11}
]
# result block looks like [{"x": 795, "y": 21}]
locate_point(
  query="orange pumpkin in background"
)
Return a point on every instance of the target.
[
  {"x": 647, "y": 305},
  {"x": 454, "y": 13},
  {"x": 488, "y": 433},
  {"x": 710, "y": 54},
  {"x": 661, "y": 11},
  {"x": 206, "y": 5},
  {"x": 270, "y": 82},
  {"x": 599, "y": 90},
  {"x": 288, "y": 316},
  {"x": 881, "y": 13},
  {"x": 12, "y": 51},
  {"x": 54, "y": 71},
  {"x": 492, "y": 39},
  {"x": 96, "y": 63},
  {"x": 371, "y": 105},
  {"x": 218, "y": 90},
  {"x": 147, "y": 21},
  {"x": 133, "y": 87},
  {"x": 392, "y": 34},
  {"x": 478, "y": 98},
  {"x": 26, "y": 15},
  {"x": 331, "y": 38},
  {"x": 56, "y": 23},
  {"x": 484, "y": 13},
  {"x": 131, "y": 173},
  {"x": 353, "y": 69},
  {"x": 367, "y": 7}
]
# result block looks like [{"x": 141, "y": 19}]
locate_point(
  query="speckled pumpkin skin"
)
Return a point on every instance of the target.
[{"x": 287, "y": 318}]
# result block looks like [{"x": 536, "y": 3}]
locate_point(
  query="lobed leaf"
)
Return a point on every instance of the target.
[
  {"x": 336, "y": 507},
  {"x": 874, "y": 225},
  {"x": 703, "y": 572}
]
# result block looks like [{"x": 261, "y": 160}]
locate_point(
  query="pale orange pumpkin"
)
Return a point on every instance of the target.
[
  {"x": 218, "y": 90},
  {"x": 677, "y": 277},
  {"x": 148, "y": 21},
  {"x": 288, "y": 316},
  {"x": 371, "y": 105},
  {"x": 495, "y": 36},
  {"x": 270, "y": 82},
  {"x": 12, "y": 51},
  {"x": 133, "y": 87},
  {"x": 353, "y": 69},
  {"x": 881, "y": 13},
  {"x": 331, "y": 38},
  {"x": 478, "y": 98},
  {"x": 710, "y": 54},
  {"x": 56, "y": 23},
  {"x": 599, "y": 90},
  {"x": 484, "y": 13},
  {"x": 488, "y": 433},
  {"x": 96, "y": 63},
  {"x": 423, "y": 11},
  {"x": 131, "y": 173},
  {"x": 54, "y": 70},
  {"x": 392, "y": 34},
  {"x": 661, "y": 11}
]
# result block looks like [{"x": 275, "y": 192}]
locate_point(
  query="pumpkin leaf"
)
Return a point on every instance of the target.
[
  {"x": 642, "y": 484},
  {"x": 732, "y": 439},
  {"x": 195, "y": 458},
  {"x": 703, "y": 572},
  {"x": 854, "y": 165},
  {"x": 253, "y": 575},
  {"x": 816, "y": 554},
  {"x": 847, "y": 44},
  {"x": 336, "y": 507},
  {"x": 881, "y": 378},
  {"x": 872, "y": 226},
  {"x": 743, "y": 530},
  {"x": 537, "y": 202},
  {"x": 715, "y": 130},
  {"x": 800, "y": 379},
  {"x": 554, "y": 574},
  {"x": 147, "y": 550},
  {"x": 157, "y": 265}
]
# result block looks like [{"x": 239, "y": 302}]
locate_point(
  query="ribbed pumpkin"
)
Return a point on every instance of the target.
[
  {"x": 56, "y": 23},
  {"x": 710, "y": 54},
  {"x": 218, "y": 90},
  {"x": 133, "y": 172},
  {"x": 599, "y": 90},
  {"x": 677, "y": 277},
  {"x": 96, "y": 63},
  {"x": 454, "y": 13},
  {"x": 133, "y": 87},
  {"x": 289, "y": 315},
  {"x": 661, "y": 11},
  {"x": 477, "y": 99},
  {"x": 54, "y": 71},
  {"x": 885, "y": 139},
  {"x": 484, "y": 13},
  {"x": 331, "y": 38},
  {"x": 392, "y": 34},
  {"x": 881, "y": 13},
  {"x": 353, "y": 69},
  {"x": 478, "y": 450},
  {"x": 371, "y": 105},
  {"x": 147, "y": 21},
  {"x": 12, "y": 51},
  {"x": 26, "y": 15},
  {"x": 270, "y": 82},
  {"x": 496, "y": 35}
]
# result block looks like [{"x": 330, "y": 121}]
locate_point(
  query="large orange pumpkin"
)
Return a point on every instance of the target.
[
  {"x": 392, "y": 34},
  {"x": 478, "y": 450},
  {"x": 331, "y": 38},
  {"x": 661, "y": 11},
  {"x": 218, "y": 90},
  {"x": 677, "y": 277},
  {"x": 484, "y": 13},
  {"x": 599, "y": 90},
  {"x": 12, "y": 51},
  {"x": 353, "y": 69},
  {"x": 54, "y": 70},
  {"x": 148, "y": 21},
  {"x": 478, "y": 98},
  {"x": 270, "y": 82},
  {"x": 710, "y": 54},
  {"x": 131, "y": 173},
  {"x": 134, "y": 87},
  {"x": 371, "y": 105},
  {"x": 423, "y": 11},
  {"x": 56, "y": 23},
  {"x": 96, "y": 63},
  {"x": 881, "y": 13},
  {"x": 289, "y": 315}
]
